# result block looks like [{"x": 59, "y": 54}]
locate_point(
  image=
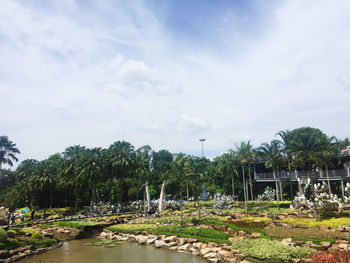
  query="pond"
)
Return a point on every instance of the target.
[{"x": 76, "y": 252}]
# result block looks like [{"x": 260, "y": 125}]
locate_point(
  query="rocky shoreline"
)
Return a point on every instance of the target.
[
  {"x": 211, "y": 251},
  {"x": 23, "y": 252}
]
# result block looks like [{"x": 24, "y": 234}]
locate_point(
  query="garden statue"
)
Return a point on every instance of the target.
[{"x": 205, "y": 195}]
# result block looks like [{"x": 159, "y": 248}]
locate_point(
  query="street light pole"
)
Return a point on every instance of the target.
[{"x": 202, "y": 141}]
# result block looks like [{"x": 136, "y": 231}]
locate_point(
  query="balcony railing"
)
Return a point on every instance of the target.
[{"x": 332, "y": 174}]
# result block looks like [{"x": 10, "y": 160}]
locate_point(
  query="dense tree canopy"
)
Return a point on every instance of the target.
[{"x": 120, "y": 173}]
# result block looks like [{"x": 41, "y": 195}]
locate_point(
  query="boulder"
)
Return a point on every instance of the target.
[
  {"x": 181, "y": 240},
  {"x": 142, "y": 240},
  {"x": 254, "y": 235},
  {"x": 170, "y": 239},
  {"x": 171, "y": 244},
  {"x": 325, "y": 244},
  {"x": 4, "y": 254},
  {"x": 159, "y": 243},
  {"x": 205, "y": 251},
  {"x": 185, "y": 247},
  {"x": 212, "y": 244},
  {"x": 191, "y": 240},
  {"x": 210, "y": 255},
  {"x": 151, "y": 240}
]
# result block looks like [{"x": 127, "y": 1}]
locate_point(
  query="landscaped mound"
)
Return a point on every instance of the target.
[{"x": 270, "y": 250}]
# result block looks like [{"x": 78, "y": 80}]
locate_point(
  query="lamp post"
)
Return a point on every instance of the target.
[{"x": 202, "y": 141}]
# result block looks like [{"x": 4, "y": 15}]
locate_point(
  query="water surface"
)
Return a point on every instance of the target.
[{"x": 129, "y": 252}]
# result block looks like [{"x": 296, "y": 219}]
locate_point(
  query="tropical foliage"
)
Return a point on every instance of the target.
[{"x": 121, "y": 173}]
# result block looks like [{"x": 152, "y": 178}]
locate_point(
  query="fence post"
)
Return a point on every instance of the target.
[
  {"x": 348, "y": 169},
  {"x": 342, "y": 188}
]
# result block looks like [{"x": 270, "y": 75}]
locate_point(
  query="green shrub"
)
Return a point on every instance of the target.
[
  {"x": 2, "y": 246},
  {"x": 283, "y": 232},
  {"x": 36, "y": 235},
  {"x": 11, "y": 233},
  {"x": 271, "y": 250},
  {"x": 309, "y": 222},
  {"x": 3, "y": 235}
]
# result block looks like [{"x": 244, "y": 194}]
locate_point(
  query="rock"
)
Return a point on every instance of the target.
[
  {"x": 151, "y": 240},
  {"x": 185, "y": 247},
  {"x": 235, "y": 251},
  {"x": 226, "y": 247},
  {"x": 66, "y": 231},
  {"x": 212, "y": 244},
  {"x": 4, "y": 254},
  {"x": 191, "y": 240},
  {"x": 173, "y": 248},
  {"x": 322, "y": 227},
  {"x": 181, "y": 240},
  {"x": 231, "y": 239},
  {"x": 286, "y": 241},
  {"x": 214, "y": 260},
  {"x": 159, "y": 243},
  {"x": 241, "y": 233},
  {"x": 343, "y": 246},
  {"x": 231, "y": 260},
  {"x": 205, "y": 251},
  {"x": 325, "y": 244},
  {"x": 170, "y": 239},
  {"x": 317, "y": 247},
  {"x": 171, "y": 244},
  {"x": 142, "y": 240},
  {"x": 224, "y": 253},
  {"x": 210, "y": 255},
  {"x": 254, "y": 235}
]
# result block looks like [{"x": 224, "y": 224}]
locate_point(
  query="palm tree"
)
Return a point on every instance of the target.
[
  {"x": 180, "y": 167},
  {"x": 245, "y": 156},
  {"x": 324, "y": 157},
  {"x": 123, "y": 159},
  {"x": 286, "y": 144},
  {"x": 228, "y": 166},
  {"x": 71, "y": 174},
  {"x": 143, "y": 166},
  {"x": 8, "y": 152},
  {"x": 273, "y": 159}
]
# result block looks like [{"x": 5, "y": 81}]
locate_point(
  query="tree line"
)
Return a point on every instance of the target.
[{"x": 122, "y": 173}]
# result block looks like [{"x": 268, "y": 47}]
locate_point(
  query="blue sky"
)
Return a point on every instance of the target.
[{"x": 166, "y": 73}]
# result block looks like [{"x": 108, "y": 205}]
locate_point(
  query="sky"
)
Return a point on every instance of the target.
[{"x": 167, "y": 73}]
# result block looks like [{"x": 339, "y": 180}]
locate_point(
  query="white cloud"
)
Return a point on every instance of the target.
[{"x": 92, "y": 74}]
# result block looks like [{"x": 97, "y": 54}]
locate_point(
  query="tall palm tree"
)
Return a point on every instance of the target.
[
  {"x": 8, "y": 152},
  {"x": 228, "y": 166},
  {"x": 244, "y": 153},
  {"x": 285, "y": 142},
  {"x": 71, "y": 174},
  {"x": 325, "y": 156},
  {"x": 180, "y": 167},
  {"x": 123, "y": 159},
  {"x": 143, "y": 166},
  {"x": 272, "y": 154}
]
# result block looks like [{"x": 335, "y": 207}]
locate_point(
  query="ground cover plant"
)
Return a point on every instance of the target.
[
  {"x": 309, "y": 222},
  {"x": 332, "y": 256},
  {"x": 303, "y": 233},
  {"x": 270, "y": 250},
  {"x": 201, "y": 234}
]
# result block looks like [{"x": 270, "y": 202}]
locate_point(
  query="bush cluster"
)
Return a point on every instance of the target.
[
  {"x": 11, "y": 233},
  {"x": 36, "y": 235},
  {"x": 332, "y": 256},
  {"x": 270, "y": 250},
  {"x": 3, "y": 235},
  {"x": 284, "y": 232}
]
